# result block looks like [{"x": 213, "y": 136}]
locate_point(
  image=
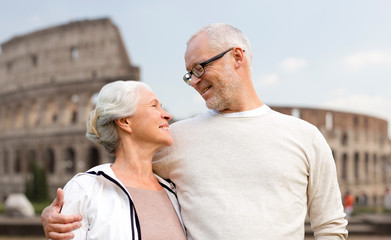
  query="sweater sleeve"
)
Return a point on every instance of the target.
[
  {"x": 324, "y": 197},
  {"x": 76, "y": 201},
  {"x": 161, "y": 162}
]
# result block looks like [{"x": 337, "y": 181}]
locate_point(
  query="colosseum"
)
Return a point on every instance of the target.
[
  {"x": 361, "y": 149},
  {"x": 49, "y": 81}
]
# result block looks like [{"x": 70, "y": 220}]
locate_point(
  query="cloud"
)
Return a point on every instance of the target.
[
  {"x": 367, "y": 59},
  {"x": 269, "y": 79},
  {"x": 36, "y": 19},
  {"x": 293, "y": 64},
  {"x": 378, "y": 105},
  {"x": 339, "y": 92}
]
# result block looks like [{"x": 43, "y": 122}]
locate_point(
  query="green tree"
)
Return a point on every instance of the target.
[{"x": 37, "y": 186}]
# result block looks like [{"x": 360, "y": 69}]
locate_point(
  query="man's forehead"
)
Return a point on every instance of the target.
[{"x": 196, "y": 48}]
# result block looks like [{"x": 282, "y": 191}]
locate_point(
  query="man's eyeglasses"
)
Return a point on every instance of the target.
[{"x": 199, "y": 69}]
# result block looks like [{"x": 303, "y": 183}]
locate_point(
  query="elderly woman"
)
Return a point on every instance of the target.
[{"x": 125, "y": 200}]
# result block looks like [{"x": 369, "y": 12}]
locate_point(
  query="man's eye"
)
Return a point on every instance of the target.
[{"x": 197, "y": 68}]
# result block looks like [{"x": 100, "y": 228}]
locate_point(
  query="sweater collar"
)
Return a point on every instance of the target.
[{"x": 262, "y": 110}]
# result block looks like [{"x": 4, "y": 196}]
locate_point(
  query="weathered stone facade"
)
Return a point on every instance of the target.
[
  {"x": 48, "y": 81},
  {"x": 361, "y": 149}
]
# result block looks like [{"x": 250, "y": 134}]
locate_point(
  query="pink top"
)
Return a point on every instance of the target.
[{"x": 158, "y": 219}]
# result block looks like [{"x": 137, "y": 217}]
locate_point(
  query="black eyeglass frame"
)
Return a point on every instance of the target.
[{"x": 187, "y": 76}]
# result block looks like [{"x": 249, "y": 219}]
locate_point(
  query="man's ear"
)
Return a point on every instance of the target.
[
  {"x": 124, "y": 124},
  {"x": 238, "y": 56}
]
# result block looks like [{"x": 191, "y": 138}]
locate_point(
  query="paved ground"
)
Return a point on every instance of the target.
[{"x": 357, "y": 226}]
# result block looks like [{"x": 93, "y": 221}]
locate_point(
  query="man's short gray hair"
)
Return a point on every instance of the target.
[
  {"x": 223, "y": 36},
  {"x": 115, "y": 100}
]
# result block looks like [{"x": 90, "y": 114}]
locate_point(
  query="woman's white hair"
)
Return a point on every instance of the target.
[
  {"x": 223, "y": 36},
  {"x": 115, "y": 100}
]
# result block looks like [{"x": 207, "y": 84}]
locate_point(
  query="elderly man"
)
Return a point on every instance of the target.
[{"x": 242, "y": 170}]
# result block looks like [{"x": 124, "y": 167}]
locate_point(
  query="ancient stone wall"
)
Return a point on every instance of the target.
[
  {"x": 49, "y": 80},
  {"x": 361, "y": 149}
]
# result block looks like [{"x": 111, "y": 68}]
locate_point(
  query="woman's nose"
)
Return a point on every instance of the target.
[{"x": 166, "y": 115}]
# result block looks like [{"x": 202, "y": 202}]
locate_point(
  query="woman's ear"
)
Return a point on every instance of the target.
[{"x": 124, "y": 124}]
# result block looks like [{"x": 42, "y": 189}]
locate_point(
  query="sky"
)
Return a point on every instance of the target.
[{"x": 325, "y": 54}]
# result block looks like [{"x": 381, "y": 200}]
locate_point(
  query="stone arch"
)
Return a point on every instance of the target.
[
  {"x": 375, "y": 166},
  {"x": 8, "y": 118},
  {"x": 329, "y": 122},
  {"x": 32, "y": 157},
  {"x": 355, "y": 121},
  {"x": 74, "y": 53},
  {"x": 51, "y": 111},
  {"x": 33, "y": 114},
  {"x": 2, "y": 118},
  {"x": 71, "y": 111},
  {"x": 356, "y": 166},
  {"x": 93, "y": 157},
  {"x": 70, "y": 161},
  {"x": 6, "y": 162},
  {"x": 384, "y": 168},
  {"x": 2, "y": 170},
  {"x": 91, "y": 103},
  {"x": 18, "y": 162},
  {"x": 19, "y": 118},
  {"x": 345, "y": 167},
  {"x": 49, "y": 161},
  {"x": 34, "y": 60},
  {"x": 344, "y": 139},
  {"x": 366, "y": 170},
  {"x": 296, "y": 112}
]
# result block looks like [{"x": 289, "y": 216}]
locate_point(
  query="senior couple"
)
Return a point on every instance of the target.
[{"x": 238, "y": 171}]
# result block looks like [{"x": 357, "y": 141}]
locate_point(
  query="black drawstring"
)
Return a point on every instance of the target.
[
  {"x": 169, "y": 189},
  {"x": 132, "y": 208}
]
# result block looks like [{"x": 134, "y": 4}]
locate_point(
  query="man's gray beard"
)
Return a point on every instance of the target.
[
  {"x": 224, "y": 93},
  {"x": 218, "y": 104}
]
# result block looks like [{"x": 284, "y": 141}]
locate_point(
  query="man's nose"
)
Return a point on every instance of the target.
[{"x": 194, "y": 80}]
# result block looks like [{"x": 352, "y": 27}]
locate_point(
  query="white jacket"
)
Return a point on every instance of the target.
[{"x": 106, "y": 206}]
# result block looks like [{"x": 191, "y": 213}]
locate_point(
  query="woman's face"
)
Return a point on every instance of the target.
[{"x": 150, "y": 121}]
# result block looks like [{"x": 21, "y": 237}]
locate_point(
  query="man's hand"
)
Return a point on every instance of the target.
[{"x": 57, "y": 225}]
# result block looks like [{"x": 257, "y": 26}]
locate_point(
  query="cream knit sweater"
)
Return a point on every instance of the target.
[{"x": 253, "y": 177}]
